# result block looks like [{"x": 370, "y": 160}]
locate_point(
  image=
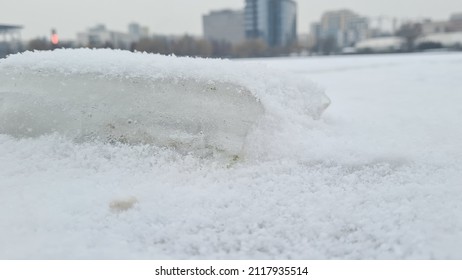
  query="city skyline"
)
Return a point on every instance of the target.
[{"x": 176, "y": 17}]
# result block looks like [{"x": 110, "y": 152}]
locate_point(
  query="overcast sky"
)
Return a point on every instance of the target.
[{"x": 185, "y": 16}]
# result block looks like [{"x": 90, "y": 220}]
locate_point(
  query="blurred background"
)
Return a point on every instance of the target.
[{"x": 233, "y": 28}]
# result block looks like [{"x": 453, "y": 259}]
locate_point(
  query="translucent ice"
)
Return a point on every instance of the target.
[{"x": 193, "y": 105}]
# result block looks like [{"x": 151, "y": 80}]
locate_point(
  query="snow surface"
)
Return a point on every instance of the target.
[{"x": 377, "y": 177}]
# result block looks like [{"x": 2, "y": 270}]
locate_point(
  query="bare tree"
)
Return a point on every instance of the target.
[
  {"x": 39, "y": 44},
  {"x": 251, "y": 48},
  {"x": 326, "y": 46},
  {"x": 189, "y": 46},
  {"x": 410, "y": 32},
  {"x": 159, "y": 45}
]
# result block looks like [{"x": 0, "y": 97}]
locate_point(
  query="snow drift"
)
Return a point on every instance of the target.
[{"x": 194, "y": 105}]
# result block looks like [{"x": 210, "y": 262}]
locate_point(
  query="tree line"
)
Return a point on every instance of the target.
[{"x": 187, "y": 46}]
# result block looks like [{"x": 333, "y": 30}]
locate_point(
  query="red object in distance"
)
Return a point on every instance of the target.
[{"x": 54, "y": 39}]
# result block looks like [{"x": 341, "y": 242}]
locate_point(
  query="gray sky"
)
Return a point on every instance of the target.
[{"x": 185, "y": 16}]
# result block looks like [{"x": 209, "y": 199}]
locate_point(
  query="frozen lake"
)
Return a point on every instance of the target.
[{"x": 378, "y": 176}]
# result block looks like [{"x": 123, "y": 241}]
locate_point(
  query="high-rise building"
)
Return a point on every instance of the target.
[
  {"x": 99, "y": 36},
  {"x": 224, "y": 26},
  {"x": 137, "y": 32},
  {"x": 456, "y": 17},
  {"x": 274, "y": 21},
  {"x": 344, "y": 27},
  {"x": 455, "y": 22}
]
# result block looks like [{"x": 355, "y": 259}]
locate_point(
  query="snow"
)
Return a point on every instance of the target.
[
  {"x": 381, "y": 44},
  {"x": 378, "y": 176},
  {"x": 452, "y": 39}
]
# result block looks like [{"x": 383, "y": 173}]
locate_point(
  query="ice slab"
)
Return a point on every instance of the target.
[{"x": 194, "y": 105}]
